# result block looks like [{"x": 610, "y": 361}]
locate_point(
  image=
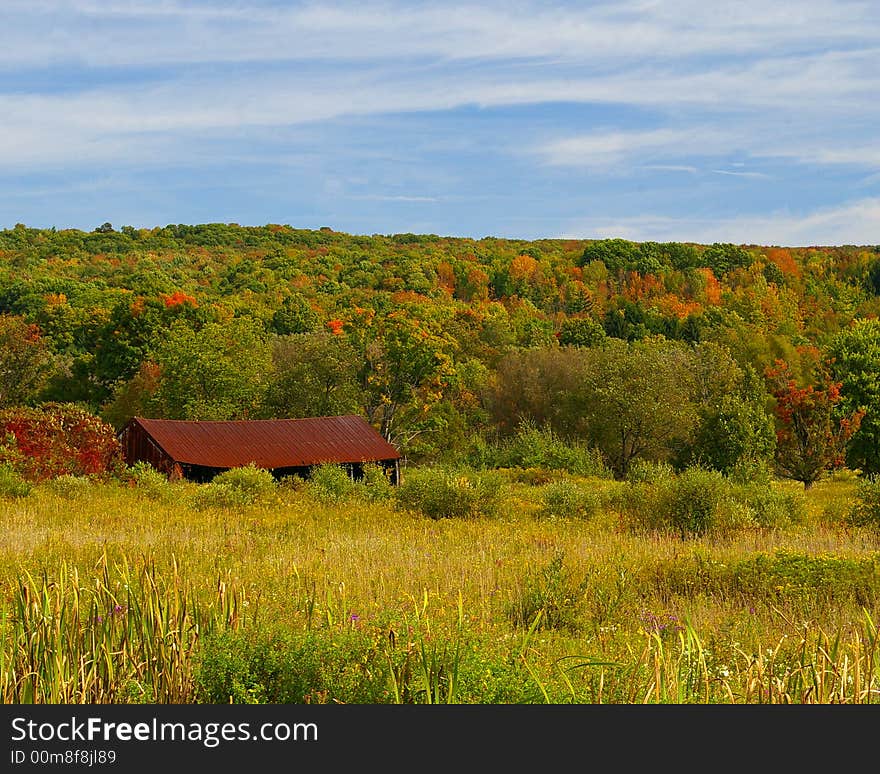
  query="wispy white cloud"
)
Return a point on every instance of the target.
[
  {"x": 855, "y": 223},
  {"x": 679, "y": 86},
  {"x": 595, "y": 32},
  {"x": 736, "y": 173},
  {"x": 607, "y": 148},
  {"x": 691, "y": 170},
  {"x": 395, "y": 198}
]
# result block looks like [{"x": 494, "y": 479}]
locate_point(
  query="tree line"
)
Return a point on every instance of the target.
[{"x": 737, "y": 358}]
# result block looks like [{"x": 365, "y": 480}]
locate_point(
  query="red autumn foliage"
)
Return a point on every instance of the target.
[
  {"x": 177, "y": 298},
  {"x": 812, "y": 436},
  {"x": 335, "y": 326},
  {"x": 57, "y": 439}
]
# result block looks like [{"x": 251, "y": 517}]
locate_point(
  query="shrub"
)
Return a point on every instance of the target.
[
  {"x": 12, "y": 483},
  {"x": 376, "y": 484},
  {"x": 149, "y": 481},
  {"x": 692, "y": 503},
  {"x": 330, "y": 483},
  {"x": 354, "y": 666},
  {"x": 441, "y": 494},
  {"x": 643, "y": 471},
  {"x": 246, "y": 485},
  {"x": 642, "y": 503},
  {"x": 278, "y": 667},
  {"x": 866, "y": 511},
  {"x": 771, "y": 507},
  {"x": 534, "y": 447},
  {"x": 696, "y": 496},
  {"x": 567, "y": 500},
  {"x": 57, "y": 439}
]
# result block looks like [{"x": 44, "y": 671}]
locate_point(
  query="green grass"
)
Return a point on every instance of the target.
[{"x": 236, "y": 602}]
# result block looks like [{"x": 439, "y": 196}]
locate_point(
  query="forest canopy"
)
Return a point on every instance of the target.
[{"x": 444, "y": 343}]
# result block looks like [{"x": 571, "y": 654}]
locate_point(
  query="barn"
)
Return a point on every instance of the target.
[{"x": 200, "y": 450}]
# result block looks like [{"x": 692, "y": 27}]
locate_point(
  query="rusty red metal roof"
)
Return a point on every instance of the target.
[{"x": 270, "y": 443}]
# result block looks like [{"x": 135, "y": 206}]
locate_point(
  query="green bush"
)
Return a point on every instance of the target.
[
  {"x": 376, "y": 484},
  {"x": 693, "y": 503},
  {"x": 439, "y": 493},
  {"x": 771, "y": 507},
  {"x": 149, "y": 482},
  {"x": 648, "y": 471},
  {"x": 248, "y": 485},
  {"x": 695, "y": 498},
  {"x": 12, "y": 484},
  {"x": 353, "y": 666},
  {"x": 330, "y": 483},
  {"x": 534, "y": 447},
  {"x": 567, "y": 500},
  {"x": 280, "y": 667},
  {"x": 866, "y": 511}
]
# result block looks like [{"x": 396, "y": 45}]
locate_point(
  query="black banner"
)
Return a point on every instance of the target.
[{"x": 129, "y": 738}]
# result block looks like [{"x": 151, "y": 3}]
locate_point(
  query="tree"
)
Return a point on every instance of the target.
[
  {"x": 25, "y": 361},
  {"x": 616, "y": 254},
  {"x": 854, "y": 356},
  {"x": 134, "y": 327},
  {"x": 295, "y": 315},
  {"x": 582, "y": 332},
  {"x": 404, "y": 364},
  {"x": 638, "y": 400},
  {"x": 735, "y": 434},
  {"x": 216, "y": 373},
  {"x": 540, "y": 387},
  {"x": 314, "y": 374},
  {"x": 812, "y": 432}
]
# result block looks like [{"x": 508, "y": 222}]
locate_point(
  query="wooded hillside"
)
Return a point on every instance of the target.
[{"x": 723, "y": 355}]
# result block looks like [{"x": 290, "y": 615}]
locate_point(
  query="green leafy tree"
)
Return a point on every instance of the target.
[
  {"x": 25, "y": 361},
  {"x": 616, "y": 254},
  {"x": 295, "y": 315},
  {"x": 217, "y": 373},
  {"x": 314, "y": 374},
  {"x": 855, "y": 361},
  {"x": 405, "y": 361},
  {"x": 135, "y": 325},
  {"x": 638, "y": 400},
  {"x": 736, "y": 434},
  {"x": 582, "y": 332}
]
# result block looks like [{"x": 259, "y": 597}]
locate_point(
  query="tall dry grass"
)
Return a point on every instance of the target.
[{"x": 641, "y": 617}]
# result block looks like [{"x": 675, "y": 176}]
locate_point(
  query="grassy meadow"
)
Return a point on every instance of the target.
[{"x": 318, "y": 592}]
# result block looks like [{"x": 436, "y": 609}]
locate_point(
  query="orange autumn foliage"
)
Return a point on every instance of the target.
[{"x": 177, "y": 298}]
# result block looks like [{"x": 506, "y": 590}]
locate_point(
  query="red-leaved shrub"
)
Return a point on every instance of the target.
[{"x": 57, "y": 439}]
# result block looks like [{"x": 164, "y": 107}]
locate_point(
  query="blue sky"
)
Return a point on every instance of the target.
[{"x": 748, "y": 122}]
